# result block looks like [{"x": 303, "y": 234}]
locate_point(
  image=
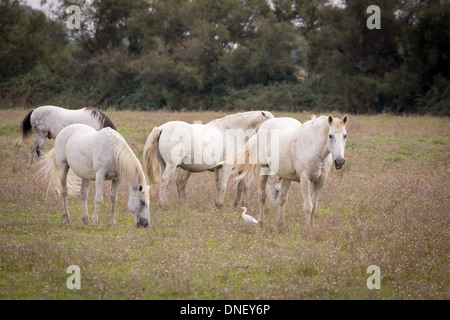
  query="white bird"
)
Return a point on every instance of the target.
[{"x": 246, "y": 217}]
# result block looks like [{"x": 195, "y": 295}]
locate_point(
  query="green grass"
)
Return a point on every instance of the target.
[{"x": 388, "y": 207}]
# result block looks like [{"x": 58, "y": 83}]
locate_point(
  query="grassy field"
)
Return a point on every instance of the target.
[{"x": 388, "y": 207}]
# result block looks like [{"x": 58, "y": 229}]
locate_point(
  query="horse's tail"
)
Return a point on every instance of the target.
[
  {"x": 49, "y": 170},
  {"x": 26, "y": 126},
  {"x": 151, "y": 165},
  {"x": 246, "y": 160}
]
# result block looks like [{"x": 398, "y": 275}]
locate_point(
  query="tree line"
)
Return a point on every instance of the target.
[{"x": 288, "y": 55}]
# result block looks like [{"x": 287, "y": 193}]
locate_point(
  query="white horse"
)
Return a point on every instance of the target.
[
  {"x": 96, "y": 156},
  {"x": 306, "y": 153},
  {"x": 197, "y": 148},
  {"x": 48, "y": 121}
]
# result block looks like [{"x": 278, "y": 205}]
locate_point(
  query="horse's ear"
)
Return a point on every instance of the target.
[
  {"x": 330, "y": 119},
  {"x": 345, "y": 120},
  {"x": 264, "y": 114}
]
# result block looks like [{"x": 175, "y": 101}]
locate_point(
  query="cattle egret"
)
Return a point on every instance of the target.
[{"x": 246, "y": 217}]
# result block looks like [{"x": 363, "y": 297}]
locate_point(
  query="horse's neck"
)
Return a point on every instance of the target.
[
  {"x": 128, "y": 165},
  {"x": 317, "y": 137},
  {"x": 231, "y": 122}
]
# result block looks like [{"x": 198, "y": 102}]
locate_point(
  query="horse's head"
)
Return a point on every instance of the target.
[
  {"x": 138, "y": 204},
  {"x": 337, "y": 136}
]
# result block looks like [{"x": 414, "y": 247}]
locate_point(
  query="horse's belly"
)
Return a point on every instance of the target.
[
  {"x": 82, "y": 167},
  {"x": 195, "y": 167},
  {"x": 79, "y": 158},
  {"x": 290, "y": 175}
]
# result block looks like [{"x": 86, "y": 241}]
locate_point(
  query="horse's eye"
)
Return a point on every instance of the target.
[
  {"x": 330, "y": 136},
  {"x": 142, "y": 202},
  {"x": 345, "y": 136}
]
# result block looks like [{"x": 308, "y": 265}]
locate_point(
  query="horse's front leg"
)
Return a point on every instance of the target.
[
  {"x": 222, "y": 185},
  {"x": 282, "y": 200},
  {"x": 114, "y": 186},
  {"x": 99, "y": 180},
  {"x": 84, "y": 197},
  {"x": 315, "y": 191},
  {"x": 307, "y": 203},
  {"x": 182, "y": 179}
]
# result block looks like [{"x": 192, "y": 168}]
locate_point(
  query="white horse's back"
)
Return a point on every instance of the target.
[
  {"x": 179, "y": 144},
  {"x": 53, "y": 119},
  {"x": 76, "y": 144}
]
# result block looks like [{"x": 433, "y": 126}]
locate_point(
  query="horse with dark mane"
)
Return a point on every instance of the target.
[{"x": 48, "y": 121}]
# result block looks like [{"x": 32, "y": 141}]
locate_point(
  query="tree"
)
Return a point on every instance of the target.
[{"x": 27, "y": 38}]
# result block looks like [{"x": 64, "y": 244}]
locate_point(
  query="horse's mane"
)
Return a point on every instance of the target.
[
  {"x": 104, "y": 120},
  {"x": 318, "y": 121},
  {"x": 227, "y": 118},
  {"x": 239, "y": 117},
  {"x": 127, "y": 163}
]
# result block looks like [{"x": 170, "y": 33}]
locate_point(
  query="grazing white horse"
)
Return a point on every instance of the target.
[
  {"x": 306, "y": 154},
  {"x": 48, "y": 121},
  {"x": 96, "y": 156},
  {"x": 197, "y": 148}
]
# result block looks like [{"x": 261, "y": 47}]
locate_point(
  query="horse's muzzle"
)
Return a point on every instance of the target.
[
  {"x": 143, "y": 222},
  {"x": 339, "y": 163}
]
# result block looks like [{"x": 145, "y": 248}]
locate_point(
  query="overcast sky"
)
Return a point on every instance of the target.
[{"x": 33, "y": 3}]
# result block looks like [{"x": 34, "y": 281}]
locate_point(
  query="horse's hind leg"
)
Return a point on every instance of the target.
[
  {"x": 262, "y": 196},
  {"x": 241, "y": 194},
  {"x": 316, "y": 187},
  {"x": 30, "y": 157},
  {"x": 182, "y": 179},
  {"x": 222, "y": 186},
  {"x": 63, "y": 170},
  {"x": 164, "y": 183},
  {"x": 114, "y": 185},
  {"x": 99, "y": 180},
  {"x": 84, "y": 196},
  {"x": 38, "y": 147},
  {"x": 282, "y": 199}
]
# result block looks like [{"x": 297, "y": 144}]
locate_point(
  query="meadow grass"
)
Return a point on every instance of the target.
[{"x": 388, "y": 207}]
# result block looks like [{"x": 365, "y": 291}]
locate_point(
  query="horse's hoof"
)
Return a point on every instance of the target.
[
  {"x": 85, "y": 220},
  {"x": 219, "y": 205}
]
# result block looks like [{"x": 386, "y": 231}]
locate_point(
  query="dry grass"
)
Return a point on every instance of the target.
[{"x": 388, "y": 207}]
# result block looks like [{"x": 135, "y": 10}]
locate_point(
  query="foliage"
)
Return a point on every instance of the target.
[{"x": 207, "y": 54}]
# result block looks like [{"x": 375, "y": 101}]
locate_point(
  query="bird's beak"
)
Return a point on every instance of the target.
[{"x": 242, "y": 208}]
